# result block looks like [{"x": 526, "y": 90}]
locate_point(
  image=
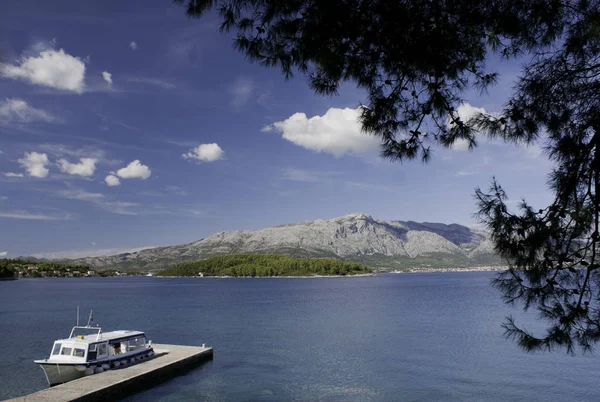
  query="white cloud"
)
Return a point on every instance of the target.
[
  {"x": 112, "y": 180},
  {"x": 121, "y": 207},
  {"x": 460, "y": 145},
  {"x": 3, "y": 253},
  {"x": 85, "y": 167},
  {"x": 35, "y": 164},
  {"x": 464, "y": 112},
  {"x": 267, "y": 129},
  {"x": 11, "y": 174},
  {"x": 19, "y": 111},
  {"x": 101, "y": 201},
  {"x": 133, "y": 45},
  {"x": 51, "y": 68},
  {"x": 241, "y": 92},
  {"x": 135, "y": 170},
  {"x": 82, "y": 195},
  {"x": 34, "y": 216},
  {"x": 61, "y": 151},
  {"x": 337, "y": 132},
  {"x": 107, "y": 77},
  {"x": 205, "y": 153},
  {"x": 151, "y": 81}
]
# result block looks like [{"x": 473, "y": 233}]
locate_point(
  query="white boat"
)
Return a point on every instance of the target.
[{"x": 89, "y": 351}]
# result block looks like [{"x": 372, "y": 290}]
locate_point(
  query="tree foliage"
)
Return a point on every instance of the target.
[
  {"x": 416, "y": 59},
  {"x": 6, "y": 272},
  {"x": 251, "y": 265},
  {"x": 13, "y": 264}
]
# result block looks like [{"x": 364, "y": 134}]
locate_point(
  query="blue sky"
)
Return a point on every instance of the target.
[{"x": 126, "y": 124}]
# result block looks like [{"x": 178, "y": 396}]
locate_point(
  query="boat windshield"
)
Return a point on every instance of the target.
[
  {"x": 56, "y": 349},
  {"x": 83, "y": 331}
]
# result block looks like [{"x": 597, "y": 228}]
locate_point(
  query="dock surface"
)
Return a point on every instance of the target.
[{"x": 169, "y": 360}]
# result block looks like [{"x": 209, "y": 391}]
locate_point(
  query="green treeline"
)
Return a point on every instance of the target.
[
  {"x": 252, "y": 265},
  {"x": 14, "y": 267},
  {"x": 6, "y": 272}
]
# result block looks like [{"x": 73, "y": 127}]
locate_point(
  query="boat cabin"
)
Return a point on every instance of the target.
[{"x": 97, "y": 345}]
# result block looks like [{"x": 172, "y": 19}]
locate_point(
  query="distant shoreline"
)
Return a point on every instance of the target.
[
  {"x": 267, "y": 277},
  {"x": 472, "y": 269},
  {"x": 422, "y": 271}
]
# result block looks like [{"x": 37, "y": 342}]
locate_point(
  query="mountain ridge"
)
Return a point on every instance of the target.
[{"x": 384, "y": 244}]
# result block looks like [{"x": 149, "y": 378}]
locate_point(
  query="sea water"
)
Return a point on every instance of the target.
[{"x": 393, "y": 337}]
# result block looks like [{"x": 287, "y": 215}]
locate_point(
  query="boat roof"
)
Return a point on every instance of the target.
[{"x": 104, "y": 336}]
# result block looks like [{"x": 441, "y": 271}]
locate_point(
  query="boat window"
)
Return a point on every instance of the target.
[
  {"x": 102, "y": 349},
  {"x": 92, "y": 348},
  {"x": 66, "y": 351},
  {"x": 56, "y": 348},
  {"x": 79, "y": 352},
  {"x": 136, "y": 343}
]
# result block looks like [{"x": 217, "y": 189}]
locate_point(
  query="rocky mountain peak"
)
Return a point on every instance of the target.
[{"x": 354, "y": 237}]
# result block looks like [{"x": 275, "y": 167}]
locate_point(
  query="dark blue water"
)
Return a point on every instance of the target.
[{"x": 410, "y": 337}]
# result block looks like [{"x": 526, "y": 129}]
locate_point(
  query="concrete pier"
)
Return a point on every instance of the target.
[{"x": 169, "y": 361}]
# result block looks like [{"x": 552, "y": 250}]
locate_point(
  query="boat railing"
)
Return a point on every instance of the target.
[{"x": 86, "y": 328}]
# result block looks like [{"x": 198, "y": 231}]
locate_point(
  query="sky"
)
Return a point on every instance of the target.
[{"x": 127, "y": 125}]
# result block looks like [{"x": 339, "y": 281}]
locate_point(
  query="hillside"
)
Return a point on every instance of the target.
[
  {"x": 253, "y": 265},
  {"x": 355, "y": 237}
]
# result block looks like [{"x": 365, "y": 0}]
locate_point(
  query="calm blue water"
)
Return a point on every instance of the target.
[{"x": 410, "y": 337}]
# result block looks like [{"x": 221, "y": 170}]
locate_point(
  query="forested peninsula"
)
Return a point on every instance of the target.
[{"x": 265, "y": 265}]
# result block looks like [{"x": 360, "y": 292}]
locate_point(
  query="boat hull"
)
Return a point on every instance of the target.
[{"x": 61, "y": 373}]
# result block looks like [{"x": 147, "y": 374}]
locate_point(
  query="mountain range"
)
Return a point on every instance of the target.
[{"x": 356, "y": 237}]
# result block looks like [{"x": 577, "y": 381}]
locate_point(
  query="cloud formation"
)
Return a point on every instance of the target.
[
  {"x": 133, "y": 45},
  {"x": 3, "y": 253},
  {"x": 101, "y": 201},
  {"x": 464, "y": 112},
  {"x": 205, "y": 153},
  {"x": 51, "y": 68},
  {"x": 35, "y": 164},
  {"x": 19, "y": 111},
  {"x": 151, "y": 81},
  {"x": 337, "y": 132},
  {"x": 85, "y": 167},
  {"x": 112, "y": 180},
  {"x": 82, "y": 195},
  {"x": 241, "y": 92},
  {"x": 34, "y": 216},
  {"x": 11, "y": 174},
  {"x": 107, "y": 77},
  {"x": 135, "y": 170}
]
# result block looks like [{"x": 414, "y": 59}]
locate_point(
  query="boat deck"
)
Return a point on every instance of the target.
[{"x": 169, "y": 361}]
